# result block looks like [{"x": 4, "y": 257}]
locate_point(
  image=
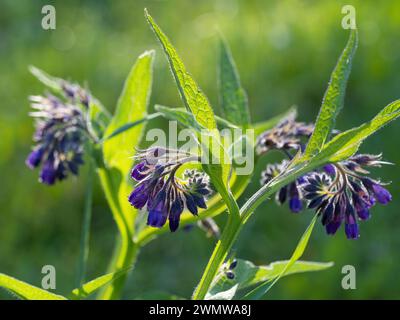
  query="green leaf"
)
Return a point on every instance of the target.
[
  {"x": 347, "y": 143},
  {"x": 186, "y": 119},
  {"x": 228, "y": 294},
  {"x": 92, "y": 286},
  {"x": 98, "y": 118},
  {"x": 247, "y": 274},
  {"x": 25, "y": 290},
  {"x": 233, "y": 97},
  {"x": 333, "y": 99},
  {"x": 197, "y": 103},
  {"x": 130, "y": 125},
  {"x": 263, "y": 288},
  {"x": 193, "y": 98},
  {"x": 118, "y": 152},
  {"x": 132, "y": 106},
  {"x": 48, "y": 80}
]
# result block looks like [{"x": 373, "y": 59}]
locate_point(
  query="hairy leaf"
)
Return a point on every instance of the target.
[
  {"x": 118, "y": 152},
  {"x": 25, "y": 290},
  {"x": 193, "y": 98},
  {"x": 247, "y": 274},
  {"x": 92, "y": 286},
  {"x": 233, "y": 97},
  {"x": 215, "y": 158},
  {"x": 333, "y": 99},
  {"x": 347, "y": 143},
  {"x": 186, "y": 119},
  {"x": 263, "y": 288}
]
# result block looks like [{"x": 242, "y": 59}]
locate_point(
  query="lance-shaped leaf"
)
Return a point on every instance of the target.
[
  {"x": 333, "y": 99},
  {"x": 233, "y": 98},
  {"x": 193, "y": 98},
  {"x": 26, "y": 291},
  {"x": 215, "y": 157},
  {"x": 263, "y": 288},
  {"x": 132, "y": 106},
  {"x": 246, "y": 274},
  {"x": 185, "y": 118},
  {"x": 92, "y": 286},
  {"x": 118, "y": 152},
  {"x": 345, "y": 144}
]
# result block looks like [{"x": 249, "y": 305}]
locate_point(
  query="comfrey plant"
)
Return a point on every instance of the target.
[
  {"x": 169, "y": 187},
  {"x": 339, "y": 192}
]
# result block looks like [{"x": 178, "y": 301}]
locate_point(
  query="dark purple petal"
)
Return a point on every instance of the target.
[
  {"x": 316, "y": 202},
  {"x": 175, "y": 214},
  {"x": 282, "y": 194},
  {"x": 34, "y": 158},
  {"x": 48, "y": 173},
  {"x": 381, "y": 194},
  {"x": 329, "y": 169},
  {"x": 190, "y": 204},
  {"x": 327, "y": 214},
  {"x": 137, "y": 171},
  {"x": 199, "y": 200},
  {"x": 233, "y": 265},
  {"x": 157, "y": 216},
  {"x": 351, "y": 230},
  {"x": 139, "y": 196},
  {"x": 363, "y": 213},
  {"x": 332, "y": 227},
  {"x": 203, "y": 191},
  {"x": 295, "y": 205}
]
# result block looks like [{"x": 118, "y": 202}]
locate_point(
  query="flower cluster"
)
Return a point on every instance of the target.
[
  {"x": 340, "y": 193},
  {"x": 59, "y": 136},
  {"x": 162, "y": 191},
  {"x": 290, "y": 192},
  {"x": 287, "y": 135}
]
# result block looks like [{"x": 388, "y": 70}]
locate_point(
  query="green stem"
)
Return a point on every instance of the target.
[
  {"x": 235, "y": 225},
  {"x": 87, "y": 215},
  {"x": 228, "y": 237},
  {"x": 125, "y": 252}
]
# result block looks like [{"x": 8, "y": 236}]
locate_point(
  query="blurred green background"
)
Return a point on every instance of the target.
[{"x": 285, "y": 51}]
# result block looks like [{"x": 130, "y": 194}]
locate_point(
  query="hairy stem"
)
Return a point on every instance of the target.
[
  {"x": 87, "y": 215},
  {"x": 125, "y": 252},
  {"x": 235, "y": 225}
]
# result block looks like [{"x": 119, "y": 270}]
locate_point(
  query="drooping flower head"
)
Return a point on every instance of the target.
[
  {"x": 287, "y": 135},
  {"x": 60, "y": 133},
  {"x": 341, "y": 193},
  {"x": 165, "y": 194},
  {"x": 344, "y": 196}
]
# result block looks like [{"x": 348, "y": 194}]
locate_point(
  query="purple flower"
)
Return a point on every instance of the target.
[
  {"x": 34, "y": 158},
  {"x": 165, "y": 195},
  {"x": 48, "y": 174},
  {"x": 348, "y": 196},
  {"x": 60, "y": 133},
  {"x": 339, "y": 192},
  {"x": 381, "y": 194},
  {"x": 138, "y": 171},
  {"x": 157, "y": 216},
  {"x": 139, "y": 196},
  {"x": 329, "y": 169}
]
